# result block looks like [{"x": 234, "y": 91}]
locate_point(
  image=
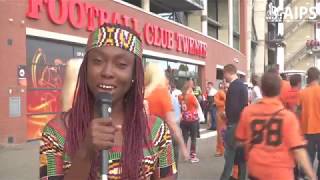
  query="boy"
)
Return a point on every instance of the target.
[
  {"x": 271, "y": 135},
  {"x": 291, "y": 98}
]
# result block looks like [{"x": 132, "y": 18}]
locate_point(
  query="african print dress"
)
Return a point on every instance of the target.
[{"x": 158, "y": 160}]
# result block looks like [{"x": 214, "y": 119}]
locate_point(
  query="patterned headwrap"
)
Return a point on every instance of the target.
[{"x": 116, "y": 36}]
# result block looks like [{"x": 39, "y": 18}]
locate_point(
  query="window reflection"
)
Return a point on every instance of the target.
[
  {"x": 177, "y": 72},
  {"x": 162, "y": 64}
]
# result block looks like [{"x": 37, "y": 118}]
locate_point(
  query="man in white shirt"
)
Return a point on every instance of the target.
[
  {"x": 211, "y": 106},
  {"x": 256, "y": 92},
  {"x": 175, "y": 92}
]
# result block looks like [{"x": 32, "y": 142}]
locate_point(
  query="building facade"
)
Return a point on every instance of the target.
[
  {"x": 301, "y": 37},
  {"x": 290, "y": 39},
  {"x": 218, "y": 19},
  {"x": 39, "y": 38}
]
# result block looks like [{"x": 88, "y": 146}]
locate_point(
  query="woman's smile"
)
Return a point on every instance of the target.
[{"x": 106, "y": 87}]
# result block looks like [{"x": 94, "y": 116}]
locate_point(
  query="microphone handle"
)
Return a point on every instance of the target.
[{"x": 106, "y": 111}]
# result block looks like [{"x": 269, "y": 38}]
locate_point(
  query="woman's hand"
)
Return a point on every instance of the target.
[
  {"x": 100, "y": 135},
  {"x": 185, "y": 153}
]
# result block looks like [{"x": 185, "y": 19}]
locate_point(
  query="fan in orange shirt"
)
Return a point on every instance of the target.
[
  {"x": 285, "y": 85},
  {"x": 310, "y": 113},
  {"x": 220, "y": 101},
  {"x": 285, "y": 88},
  {"x": 291, "y": 98},
  {"x": 271, "y": 135},
  {"x": 190, "y": 119},
  {"x": 160, "y": 104}
]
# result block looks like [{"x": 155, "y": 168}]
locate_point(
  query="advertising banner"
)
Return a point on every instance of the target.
[{"x": 46, "y": 63}]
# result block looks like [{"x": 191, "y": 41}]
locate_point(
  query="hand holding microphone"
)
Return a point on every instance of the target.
[
  {"x": 101, "y": 132},
  {"x": 100, "y": 138}
]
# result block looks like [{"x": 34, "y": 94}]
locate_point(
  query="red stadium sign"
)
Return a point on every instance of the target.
[{"x": 85, "y": 15}]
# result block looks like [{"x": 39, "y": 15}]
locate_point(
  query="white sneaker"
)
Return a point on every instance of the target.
[{"x": 194, "y": 160}]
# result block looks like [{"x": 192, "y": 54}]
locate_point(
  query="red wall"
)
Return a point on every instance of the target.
[{"x": 12, "y": 56}]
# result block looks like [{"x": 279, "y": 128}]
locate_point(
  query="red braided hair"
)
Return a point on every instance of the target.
[{"x": 134, "y": 128}]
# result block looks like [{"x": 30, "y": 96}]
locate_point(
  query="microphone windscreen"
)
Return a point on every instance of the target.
[{"x": 104, "y": 98}]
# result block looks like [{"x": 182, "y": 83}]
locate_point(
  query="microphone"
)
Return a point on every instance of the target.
[{"x": 104, "y": 102}]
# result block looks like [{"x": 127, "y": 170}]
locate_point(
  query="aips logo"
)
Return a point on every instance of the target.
[{"x": 275, "y": 14}]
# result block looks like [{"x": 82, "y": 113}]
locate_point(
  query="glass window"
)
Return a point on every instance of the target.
[
  {"x": 236, "y": 42},
  {"x": 180, "y": 72},
  {"x": 162, "y": 64},
  {"x": 179, "y": 17},
  {"x": 213, "y": 31},
  {"x": 271, "y": 57},
  {"x": 253, "y": 55},
  {"x": 213, "y": 9},
  {"x": 219, "y": 74},
  {"x": 134, "y": 2},
  {"x": 176, "y": 72},
  {"x": 236, "y": 16}
]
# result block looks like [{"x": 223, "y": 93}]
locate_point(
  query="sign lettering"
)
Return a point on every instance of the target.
[{"x": 85, "y": 15}]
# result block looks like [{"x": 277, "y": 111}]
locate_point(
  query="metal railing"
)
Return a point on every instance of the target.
[
  {"x": 173, "y": 16},
  {"x": 290, "y": 2},
  {"x": 274, "y": 39},
  {"x": 287, "y": 2},
  {"x": 293, "y": 59},
  {"x": 294, "y": 26}
]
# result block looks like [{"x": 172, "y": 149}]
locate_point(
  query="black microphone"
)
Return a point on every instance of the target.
[{"x": 104, "y": 102}]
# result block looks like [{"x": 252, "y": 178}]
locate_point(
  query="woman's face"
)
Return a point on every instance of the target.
[{"x": 110, "y": 69}]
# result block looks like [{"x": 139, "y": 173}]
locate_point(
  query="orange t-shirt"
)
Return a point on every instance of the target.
[
  {"x": 220, "y": 100},
  {"x": 191, "y": 102},
  {"x": 291, "y": 99},
  {"x": 270, "y": 140},
  {"x": 310, "y": 114},
  {"x": 159, "y": 102},
  {"x": 285, "y": 88}
]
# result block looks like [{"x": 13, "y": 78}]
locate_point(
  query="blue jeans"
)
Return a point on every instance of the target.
[
  {"x": 313, "y": 147},
  {"x": 230, "y": 156},
  {"x": 212, "y": 111}
]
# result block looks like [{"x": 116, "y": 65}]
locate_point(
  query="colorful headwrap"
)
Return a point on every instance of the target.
[{"x": 117, "y": 36}]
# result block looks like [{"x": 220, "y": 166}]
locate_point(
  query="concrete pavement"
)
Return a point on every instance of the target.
[
  {"x": 209, "y": 167},
  {"x": 19, "y": 162}
]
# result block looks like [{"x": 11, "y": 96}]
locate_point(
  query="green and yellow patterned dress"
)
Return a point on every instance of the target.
[{"x": 158, "y": 159}]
